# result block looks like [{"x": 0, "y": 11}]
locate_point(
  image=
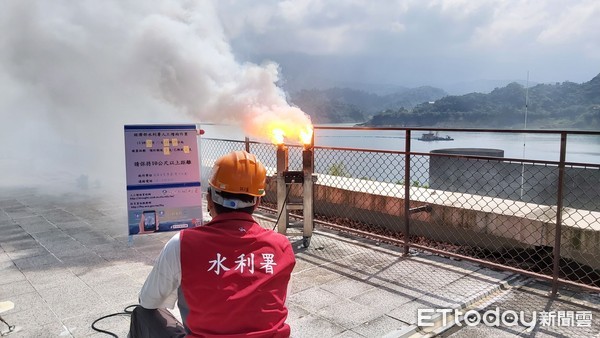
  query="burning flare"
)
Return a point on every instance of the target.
[
  {"x": 278, "y": 136},
  {"x": 292, "y": 133},
  {"x": 279, "y": 124},
  {"x": 306, "y": 135}
]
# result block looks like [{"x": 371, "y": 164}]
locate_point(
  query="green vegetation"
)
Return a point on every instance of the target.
[
  {"x": 415, "y": 183},
  {"x": 418, "y": 184},
  {"x": 338, "y": 169},
  {"x": 559, "y": 105},
  {"x": 339, "y": 105}
]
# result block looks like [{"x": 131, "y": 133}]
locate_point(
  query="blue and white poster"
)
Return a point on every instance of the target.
[{"x": 163, "y": 178}]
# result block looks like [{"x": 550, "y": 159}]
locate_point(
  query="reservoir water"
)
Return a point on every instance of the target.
[
  {"x": 386, "y": 167},
  {"x": 580, "y": 148}
]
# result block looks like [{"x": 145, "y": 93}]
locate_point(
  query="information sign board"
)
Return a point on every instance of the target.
[{"x": 163, "y": 178}]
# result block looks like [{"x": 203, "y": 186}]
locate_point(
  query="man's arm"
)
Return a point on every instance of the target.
[{"x": 160, "y": 288}]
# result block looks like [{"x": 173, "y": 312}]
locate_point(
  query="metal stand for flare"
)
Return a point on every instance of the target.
[
  {"x": 285, "y": 181},
  {"x": 282, "y": 189}
]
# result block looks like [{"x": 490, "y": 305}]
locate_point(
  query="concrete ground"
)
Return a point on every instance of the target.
[{"x": 66, "y": 260}]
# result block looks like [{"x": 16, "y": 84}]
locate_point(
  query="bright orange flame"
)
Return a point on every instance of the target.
[
  {"x": 277, "y": 136},
  {"x": 291, "y": 132},
  {"x": 306, "y": 135},
  {"x": 279, "y": 125}
]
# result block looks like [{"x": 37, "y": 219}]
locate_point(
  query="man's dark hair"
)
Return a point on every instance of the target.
[{"x": 227, "y": 195}]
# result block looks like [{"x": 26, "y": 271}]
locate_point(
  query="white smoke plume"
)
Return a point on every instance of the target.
[{"x": 72, "y": 73}]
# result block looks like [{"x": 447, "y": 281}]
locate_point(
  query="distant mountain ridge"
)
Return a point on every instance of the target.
[
  {"x": 559, "y": 105},
  {"x": 339, "y": 105}
]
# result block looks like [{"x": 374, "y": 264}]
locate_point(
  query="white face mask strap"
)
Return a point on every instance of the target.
[{"x": 230, "y": 203}]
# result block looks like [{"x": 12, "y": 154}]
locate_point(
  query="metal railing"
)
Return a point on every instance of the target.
[{"x": 532, "y": 216}]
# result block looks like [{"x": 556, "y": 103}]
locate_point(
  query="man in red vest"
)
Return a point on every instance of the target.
[{"x": 229, "y": 276}]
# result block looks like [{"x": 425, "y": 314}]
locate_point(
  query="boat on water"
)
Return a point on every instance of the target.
[{"x": 434, "y": 137}]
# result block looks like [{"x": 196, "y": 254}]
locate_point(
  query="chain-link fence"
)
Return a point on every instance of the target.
[{"x": 540, "y": 218}]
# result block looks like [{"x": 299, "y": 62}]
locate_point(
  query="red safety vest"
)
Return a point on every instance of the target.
[{"x": 234, "y": 277}]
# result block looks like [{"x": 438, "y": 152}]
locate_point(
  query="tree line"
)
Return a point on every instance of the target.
[{"x": 559, "y": 105}]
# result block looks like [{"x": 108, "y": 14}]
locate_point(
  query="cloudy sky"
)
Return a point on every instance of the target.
[
  {"x": 417, "y": 42},
  {"x": 72, "y": 73}
]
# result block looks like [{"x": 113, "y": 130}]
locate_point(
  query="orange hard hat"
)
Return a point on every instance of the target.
[{"x": 239, "y": 172}]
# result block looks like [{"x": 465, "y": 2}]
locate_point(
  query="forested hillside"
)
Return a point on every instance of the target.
[
  {"x": 559, "y": 105},
  {"x": 337, "y": 105}
]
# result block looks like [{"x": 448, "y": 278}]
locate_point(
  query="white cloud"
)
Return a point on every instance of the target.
[
  {"x": 512, "y": 20},
  {"x": 397, "y": 27},
  {"x": 578, "y": 21},
  {"x": 459, "y": 9},
  {"x": 486, "y": 22},
  {"x": 488, "y": 35},
  {"x": 295, "y": 11}
]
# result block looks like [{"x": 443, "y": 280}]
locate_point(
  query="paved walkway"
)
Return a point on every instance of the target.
[{"x": 66, "y": 261}]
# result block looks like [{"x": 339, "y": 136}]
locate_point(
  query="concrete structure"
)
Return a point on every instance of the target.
[
  {"x": 460, "y": 218},
  {"x": 65, "y": 261},
  {"x": 528, "y": 182}
]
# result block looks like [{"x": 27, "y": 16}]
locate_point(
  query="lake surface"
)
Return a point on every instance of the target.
[{"x": 580, "y": 148}]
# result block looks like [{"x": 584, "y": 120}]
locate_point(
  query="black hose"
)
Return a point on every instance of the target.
[
  {"x": 126, "y": 312},
  {"x": 282, "y": 207}
]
